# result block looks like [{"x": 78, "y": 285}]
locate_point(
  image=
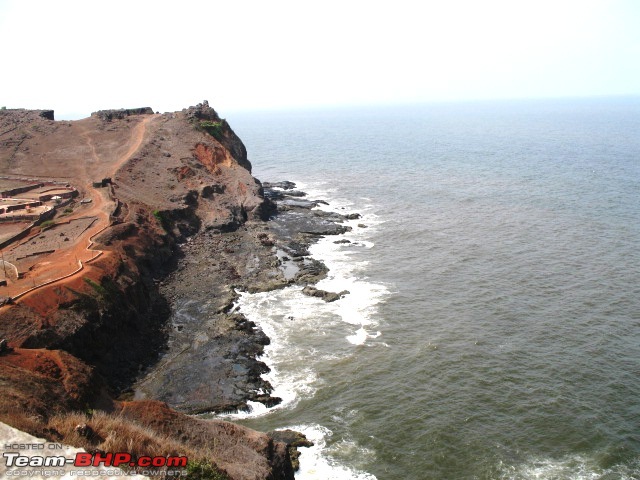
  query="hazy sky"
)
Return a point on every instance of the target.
[{"x": 80, "y": 56}]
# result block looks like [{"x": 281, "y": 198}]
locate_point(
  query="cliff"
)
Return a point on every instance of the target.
[{"x": 86, "y": 315}]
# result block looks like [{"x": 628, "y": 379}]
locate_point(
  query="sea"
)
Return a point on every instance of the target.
[{"x": 492, "y": 325}]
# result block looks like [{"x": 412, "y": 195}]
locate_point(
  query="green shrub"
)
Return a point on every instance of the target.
[
  {"x": 203, "y": 470},
  {"x": 47, "y": 224},
  {"x": 163, "y": 220},
  {"x": 215, "y": 129},
  {"x": 96, "y": 286}
]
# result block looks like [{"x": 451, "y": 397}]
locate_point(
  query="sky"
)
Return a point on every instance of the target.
[{"x": 79, "y": 56}]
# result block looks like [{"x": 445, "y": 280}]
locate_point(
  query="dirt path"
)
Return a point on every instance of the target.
[{"x": 66, "y": 263}]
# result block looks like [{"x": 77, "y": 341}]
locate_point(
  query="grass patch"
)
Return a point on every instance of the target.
[
  {"x": 215, "y": 129},
  {"x": 96, "y": 286},
  {"x": 47, "y": 224},
  {"x": 203, "y": 470},
  {"x": 162, "y": 220},
  {"x": 110, "y": 432}
]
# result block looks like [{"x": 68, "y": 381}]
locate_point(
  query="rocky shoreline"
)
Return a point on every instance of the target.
[
  {"x": 211, "y": 360},
  {"x": 146, "y": 333}
]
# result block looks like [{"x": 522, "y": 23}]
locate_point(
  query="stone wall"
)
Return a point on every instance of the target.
[{"x": 108, "y": 115}]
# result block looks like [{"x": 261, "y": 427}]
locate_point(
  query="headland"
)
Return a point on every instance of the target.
[{"x": 126, "y": 237}]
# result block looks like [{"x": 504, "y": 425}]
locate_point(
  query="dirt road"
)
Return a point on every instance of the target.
[{"x": 70, "y": 260}]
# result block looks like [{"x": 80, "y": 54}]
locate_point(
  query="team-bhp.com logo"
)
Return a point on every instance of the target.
[{"x": 89, "y": 460}]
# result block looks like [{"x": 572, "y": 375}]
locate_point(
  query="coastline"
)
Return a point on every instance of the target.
[
  {"x": 155, "y": 319},
  {"x": 73, "y": 349},
  {"x": 309, "y": 336},
  {"x": 202, "y": 291}
]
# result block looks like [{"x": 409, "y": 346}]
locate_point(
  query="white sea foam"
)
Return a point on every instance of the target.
[
  {"x": 574, "y": 467},
  {"x": 302, "y": 330},
  {"x": 274, "y": 313},
  {"x": 359, "y": 337},
  {"x": 359, "y": 307},
  {"x": 319, "y": 462},
  {"x": 280, "y": 313}
]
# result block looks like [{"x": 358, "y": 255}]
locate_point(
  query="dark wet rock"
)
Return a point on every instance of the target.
[
  {"x": 291, "y": 223},
  {"x": 287, "y": 203},
  {"x": 311, "y": 271},
  {"x": 362, "y": 225},
  {"x": 211, "y": 360},
  {"x": 295, "y": 193},
  {"x": 278, "y": 194},
  {"x": 352, "y": 216},
  {"x": 327, "y": 229},
  {"x": 268, "y": 401},
  {"x": 344, "y": 240},
  {"x": 330, "y": 216},
  {"x": 225, "y": 374},
  {"x": 312, "y": 291},
  {"x": 290, "y": 437},
  {"x": 297, "y": 248},
  {"x": 293, "y": 440},
  {"x": 285, "y": 185},
  {"x": 274, "y": 195},
  {"x": 211, "y": 363}
]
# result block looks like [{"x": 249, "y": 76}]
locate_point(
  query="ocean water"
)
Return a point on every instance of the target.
[{"x": 492, "y": 330}]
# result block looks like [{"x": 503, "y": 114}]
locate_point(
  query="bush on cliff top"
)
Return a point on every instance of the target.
[{"x": 215, "y": 129}]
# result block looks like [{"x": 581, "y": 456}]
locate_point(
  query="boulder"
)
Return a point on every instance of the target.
[
  {"x": 292, "y": 440},
  {"x": 312, "y": 291}
]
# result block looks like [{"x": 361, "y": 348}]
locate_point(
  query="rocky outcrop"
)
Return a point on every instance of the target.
[
  {"x": 186, "y": 234},
  {"x": 242, "y": 453},
  {"x": 312, "y": 291},
  {"x": 284, "y": 185},
  {"x": 292, "y": 440},
  {"x": 21, "y": 114},
  {"x": 202, "y": 290},
  {"x": 206, "y": 118},
  {"x": 48, "y": 114},
  {"x": 109, "y": 115}
]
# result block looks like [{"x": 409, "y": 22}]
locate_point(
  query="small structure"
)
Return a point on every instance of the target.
[{"x": 102, "y": 183}]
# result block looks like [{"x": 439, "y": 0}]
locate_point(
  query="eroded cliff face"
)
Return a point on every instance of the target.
[{"x": 86, "y": 337}]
